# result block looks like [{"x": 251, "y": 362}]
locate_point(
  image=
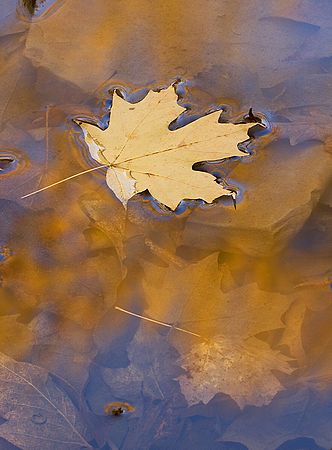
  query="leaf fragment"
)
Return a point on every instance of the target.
[{"x": 38, "y": 414}]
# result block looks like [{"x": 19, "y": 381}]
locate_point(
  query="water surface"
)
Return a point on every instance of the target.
[{"x": 253, "y": 282}]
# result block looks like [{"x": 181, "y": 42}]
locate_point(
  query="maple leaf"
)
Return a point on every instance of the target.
[
  {"x": 300, "y": 411},
  {"x": 242, "y": 369},
  {"x": 314, "y": 125},
  {"x": 142, "y": 153},
  {"x": 228, "y": 356},
  {"x": 151, "y": 370}
]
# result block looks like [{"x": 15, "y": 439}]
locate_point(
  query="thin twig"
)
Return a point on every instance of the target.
[
  {"x": 157, "y": 321},
  {"x": 65, "y": 179}
]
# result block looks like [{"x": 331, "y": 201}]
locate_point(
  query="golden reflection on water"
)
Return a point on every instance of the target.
[{"x": 253, "y": 282}]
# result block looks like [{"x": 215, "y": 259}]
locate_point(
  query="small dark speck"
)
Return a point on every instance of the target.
[
  {"x": 117, "y": 411},
  {"x": 30, "y": 5},
  {"x": 39, "y": 419}
]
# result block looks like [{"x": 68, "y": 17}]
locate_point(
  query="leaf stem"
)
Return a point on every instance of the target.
[{"x": 65, "y": 179}]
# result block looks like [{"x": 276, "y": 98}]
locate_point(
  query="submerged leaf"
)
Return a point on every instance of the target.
[
  {"x": 38, "y": 414},
  {"x": 232, "y": 359},
  {"x": 149, "y": 374},
  {"x": 143, "y": 153},
  {"x": 16, "y": 339},
  {"x": 242, "y": 369},
  {"x": 299, "y": 412}
]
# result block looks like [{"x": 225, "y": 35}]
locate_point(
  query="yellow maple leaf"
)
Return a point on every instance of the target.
[{"x": 142, "y": 153}]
